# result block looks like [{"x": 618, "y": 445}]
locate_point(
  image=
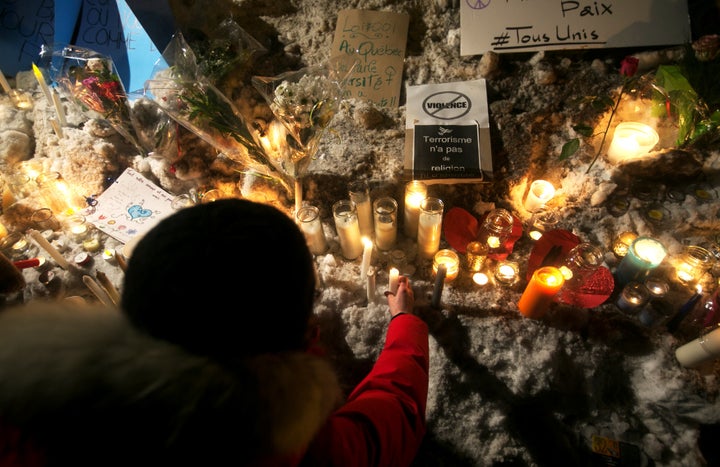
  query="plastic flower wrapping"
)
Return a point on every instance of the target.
[
  {"x": 179, "y": 88},
  {"x": 90, "y": 79}
]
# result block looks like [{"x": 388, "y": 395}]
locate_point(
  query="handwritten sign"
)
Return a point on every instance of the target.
[
  {"x": 370, "y": 46},
  {"x": 447, "y": 133},
  {"x": 527, "y": 25},
  {"x": 112, "y": 28},
  {"x": 25, "y": 26},
  {"x": 130, "y": 207}
]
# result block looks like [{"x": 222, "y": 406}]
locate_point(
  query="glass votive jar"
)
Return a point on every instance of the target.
[
  {"x": 580, "y": 263},
  {"x": 20, "y": 185},
  {"x": 44, "y": 219},
  {"x": 385, "y": 214},
  {"x": 348, "y": 228},
  {"x": 539, "y": 194},
  {"x": 476, "y": 254},
  {"x": 506, "y": 273},
  {"x": 633, "y": 296},
  {"x": 450, "y": 260},
  {"x": 622, "y": 242},
  {"x": 692, "y": 264},
  {"x": 496, "y": 228},
  {"x": 359, "y": 193},
  {"x": 77, "y": 227},
  {"x": 643, "y": 255},
  {"x": 429, "y": 227},
  {"x": 542, "y": 221},
  {"x": 657, "y": 215},
  {"x": 657, "y": 287},
  {"x": 184, "y": 200},
  {"x": 617, "y": 206},
  {"x": 415, "y": 193},
  {"x": 211, "y": 195},
  {"x": 308, "y": 218},
  {"x": 14, "y": 245}
]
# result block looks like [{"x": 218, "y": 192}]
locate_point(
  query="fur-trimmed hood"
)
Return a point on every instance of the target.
[{"x": 88, "y": 388}]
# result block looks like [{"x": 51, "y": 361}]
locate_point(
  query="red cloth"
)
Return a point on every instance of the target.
[{"x": 383, "y": 421}]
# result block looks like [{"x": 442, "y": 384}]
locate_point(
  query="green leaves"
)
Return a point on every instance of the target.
[{"x": 569, "y": 148}]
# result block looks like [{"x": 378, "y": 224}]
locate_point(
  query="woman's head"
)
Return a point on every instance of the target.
[{"x": 226, "y": 279}]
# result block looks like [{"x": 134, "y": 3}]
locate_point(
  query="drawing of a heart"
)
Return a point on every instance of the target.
[{"x": 136, "y": 211}]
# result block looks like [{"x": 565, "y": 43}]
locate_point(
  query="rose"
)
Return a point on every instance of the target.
[{"x": 629, "y": 66}]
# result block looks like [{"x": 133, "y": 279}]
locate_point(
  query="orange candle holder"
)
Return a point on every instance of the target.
[{"x": 544, "y": 284}]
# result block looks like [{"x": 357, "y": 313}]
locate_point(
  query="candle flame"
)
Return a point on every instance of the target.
[{"x": 480, "y": 278}]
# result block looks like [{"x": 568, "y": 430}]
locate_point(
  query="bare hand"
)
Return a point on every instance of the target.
[{"x": 403, "y": 301}]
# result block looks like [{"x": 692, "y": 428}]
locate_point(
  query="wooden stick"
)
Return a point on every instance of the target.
[
  {"x": 51, "y": 250},
  {"x": 97, "y": 290},
  {"x": 109, "y": 287}
]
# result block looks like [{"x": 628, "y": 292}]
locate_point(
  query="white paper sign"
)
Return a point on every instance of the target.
[
  {"x": 130, "y": 207},
  {"x": 528, "y": 25},
  {"x": 447, "y": 133}
]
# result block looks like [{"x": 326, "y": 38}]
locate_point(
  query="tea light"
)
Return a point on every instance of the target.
[
  {"x": 77, "y": 226},
  {"x": 348, "y": 229},
  {"x": 633, "y": 296},
  {"x": 91, "y": 244},
  {"x": 82, "y": 259},
  {"x": 366, "y": 257},
  {"x": 393, "y": 278},
  {"x": 506, "y": 272},
  {"x": 429, "y": 227},
  {"x": 476, "y": 254},
  {"x": 359, "y": 193},
  {"x": 540, "y": 193},
  {"x": 622, "y": 242},
  {"x": 108, "y": 254},
  {"x": 544, "y": 284},
  {"x": 415, "y": 193},
  {"x": 20, "y": 244},
  {"x": 644, "y": 254},
  {"x": 631, "y": 140},
  {"x": 450, "y": 260},
  {"x": 480, "y": 278},
  {"x": 694, "y": 262},
  {"x": 308, "y": 217},
  {"x": 657, "y": 287},
  {"x": 702, "y": 349}
]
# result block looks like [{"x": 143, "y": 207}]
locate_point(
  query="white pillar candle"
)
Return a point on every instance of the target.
[
  {"x": 308, "y": 217},
  {"x": 539, "y": 194},
  {"x": 429, "y": 227},
  {"x": 393, "y": 279},
  {"x": 415, "y": 193},
  {"x": 631, "y": 140},
  {"x": 385, "y": 220},
  {"x": 348, "y": 229},
  {"x": 359, "y": 194},
  {"x": 370, "y": 285},
  {"x": 366, "y": 257},
  {"x": 702, "y": 349}
]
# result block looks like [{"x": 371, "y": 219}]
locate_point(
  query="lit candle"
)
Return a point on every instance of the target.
[
  {"x": 450, "y": 260},
  {"x": 359, "y": 193},
  {"x": 480, "y": 278},
  {"x": 393, "y": 278},
  {"x": 438, "y": 287},
  {"x": 77, "y": 226},
  {"x": 539, "y": 194},
  {"x": 633, "y": 296},
  {"x": 693, "y": 264},
  {"x": 476, "y": 254},
  {"x": 43, "y": 85},
  {"x": 657, "y": 287},
  {"x": 429, "y": 227},
  {"x": 622, "y": 242},
  {"x": 544, "y": 284},
  {"x": 45, "y": 245},
  {"x": 541, "y": 222},
  {"x": 675, "y": 321},
  {"x": 496, "y": 228},
  {"x": 702, "y": 349},
  {"x": 415, "y": 193},
  {"x": 309, "y": 219},
  {"x": 506, "y": 272},
  {"x": 348, "y": 229},
  {"x": 385, "y": 217},
  {"x": 370, "y": 285},
  {"x": 643, "y": 255},
  {"x": 631, "y": 140},
  {"x": 366, "y": 257}
]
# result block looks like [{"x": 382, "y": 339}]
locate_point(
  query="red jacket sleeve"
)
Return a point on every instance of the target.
[{"x": 383, "y": 421}]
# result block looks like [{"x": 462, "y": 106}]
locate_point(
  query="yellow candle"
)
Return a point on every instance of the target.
[{"x": 544, "y": 284}]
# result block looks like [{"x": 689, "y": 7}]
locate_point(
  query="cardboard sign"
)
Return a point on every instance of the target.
[
  {"x": 370, "y": 46},
  {"x": 25, "y": 26},
  {"x": 447, "y": 133},
  {"x": 131, "y": 206},
  {"x": 529, "y": 25}
]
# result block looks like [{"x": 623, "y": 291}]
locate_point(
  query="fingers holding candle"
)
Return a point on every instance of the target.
[{"x": 403, "y": 300}]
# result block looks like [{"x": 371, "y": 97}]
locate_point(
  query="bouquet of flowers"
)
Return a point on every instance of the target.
[{"x": 91, "y": 80}]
